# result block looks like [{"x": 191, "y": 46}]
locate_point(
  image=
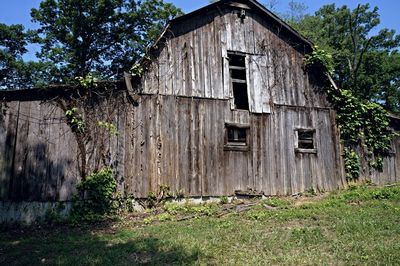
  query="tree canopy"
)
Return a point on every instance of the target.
[
  {"x": 12, "y": 47},
  {"x": 366, "y": 61},
  {"x": 103, "y": 37}
]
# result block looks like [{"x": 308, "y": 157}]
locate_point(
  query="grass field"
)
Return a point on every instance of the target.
[{"x": 360, "y": 226}]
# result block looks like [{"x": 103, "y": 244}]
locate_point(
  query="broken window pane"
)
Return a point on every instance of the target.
[
  {"x": 237, "y": 69},
  {"x": 305, "y": 139},
  {"x": 237, "y": 135},
  {"x": 240, "y": 96}
]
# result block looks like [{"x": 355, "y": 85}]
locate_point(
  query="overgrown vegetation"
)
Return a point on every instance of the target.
[
  {"x": 322, "y": 58},
  {"x": 75, "y": 119},
  {"x": 87, "y": 81},
  {"x": 364, "y": 125},
  {"x": 95, "y": 194},
  {"x": 358, "y": 226}
]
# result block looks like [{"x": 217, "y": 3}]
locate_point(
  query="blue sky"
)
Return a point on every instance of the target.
[{"x": 18, "y": 11}]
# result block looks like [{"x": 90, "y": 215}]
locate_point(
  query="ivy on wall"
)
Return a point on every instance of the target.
[{"x": 364, "y": 125}]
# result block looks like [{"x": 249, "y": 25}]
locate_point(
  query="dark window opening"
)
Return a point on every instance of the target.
[
  {"x": 237, "y": 70},
  {"x": 306, "y": 139},
  {"x": 238, "y": 74},
  {"x": 237, "y": 137},
  {"x": 240, "y": 95}
]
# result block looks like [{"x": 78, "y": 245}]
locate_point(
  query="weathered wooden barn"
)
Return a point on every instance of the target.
[
  {"x": 235, "y": 108},
  {"x": 224, "y": 106}
]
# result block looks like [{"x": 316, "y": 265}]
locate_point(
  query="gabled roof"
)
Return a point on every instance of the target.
[
  {"x": 284, "y": 27},
  {"x": 261, "y": 8}
]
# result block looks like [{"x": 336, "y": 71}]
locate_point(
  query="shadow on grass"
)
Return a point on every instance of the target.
[{"x": 77, "y": 247}]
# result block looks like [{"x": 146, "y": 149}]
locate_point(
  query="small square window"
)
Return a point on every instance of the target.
[
  {"x": 236, "y": 137},
  {"x": 306, "y": 141}
]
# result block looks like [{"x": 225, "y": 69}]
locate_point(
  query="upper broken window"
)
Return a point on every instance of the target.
[{"x": 237, "y": 70}]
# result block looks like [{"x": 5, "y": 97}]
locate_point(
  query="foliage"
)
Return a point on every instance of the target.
[
  {"x": 364, "y": 193},
  {"x": 367, "y": 63},
  {"x": 15, "y": 73},
  {"x": 224, "y": 200},
  {"x": 109, "y": 127},
  {"x": 277, "y": 202},
  {"x": 362, "y": 123},
  {"x": 137, "y": 70},
  {"x": 88, "y": 81},
  {"x": 106, "y": 37},
  {"x": 320, "y": 57},
  {"x": 365, "y": 125},
  {"x": 174, "y": 208},
  {"x": 95, "y": 193},
  {"x": 155, "y": 199},
  {"x": 75, "y": 119},
  {"x": 12, "y": 47},
  {"x": 352, "y": 164}
]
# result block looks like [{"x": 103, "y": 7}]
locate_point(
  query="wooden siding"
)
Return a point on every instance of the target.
[
  {"x": 391, "y": 167},
  {"x": 193, "y": 61},
  {"x": 38, "y": 154},
  {"x": 168, "y": 140}
]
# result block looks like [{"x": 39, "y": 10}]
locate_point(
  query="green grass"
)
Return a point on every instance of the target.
[{"x": 360, "y": 226}]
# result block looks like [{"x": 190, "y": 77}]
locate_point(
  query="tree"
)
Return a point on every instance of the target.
[
  {"x": 366, "y": 63},
  {"x": 12, "y": 47},
  {"x": 296, "y": 12},
  {"x": 271, "y": 5},
  {"x": 103, "y": 37},
  {"x": 15, "y": 73}
]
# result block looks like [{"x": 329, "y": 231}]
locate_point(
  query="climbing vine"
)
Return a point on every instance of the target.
[
  {"x": 320, "y": 57},
  {"x": 91, "y": 109},
  {"x": 137, "y": 70},
  {"x": 75, "y": 119},
  {"x": 364, "y": 125},
  {"x": 109, "y": 127},
  {"x": 87, "y": 81}
]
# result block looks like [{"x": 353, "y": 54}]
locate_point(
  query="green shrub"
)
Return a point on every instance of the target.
[{"x": 96, "y": 193}]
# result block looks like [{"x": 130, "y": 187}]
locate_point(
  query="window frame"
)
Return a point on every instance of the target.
[
  {"x": 239, "y": 145},
  {"x": 298, "y": 141},
  {"x": 236, "y": 83}
]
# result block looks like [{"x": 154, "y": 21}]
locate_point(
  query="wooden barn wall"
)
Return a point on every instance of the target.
[
  {"x": 166, "y": 140},
  {"x": 175, "y": 141},
  {"x": 37, "y": 153},
  {"x": 40, "y": 158},
  {"x": 192, "y": 61},
  {"x": 391, "y": 167},
  {"x": 180, "y": 142}
]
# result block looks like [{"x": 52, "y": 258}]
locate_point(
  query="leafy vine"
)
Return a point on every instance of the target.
[
  {"x": 75, "y": 119},
  {"x": 364, "y": 125}
]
